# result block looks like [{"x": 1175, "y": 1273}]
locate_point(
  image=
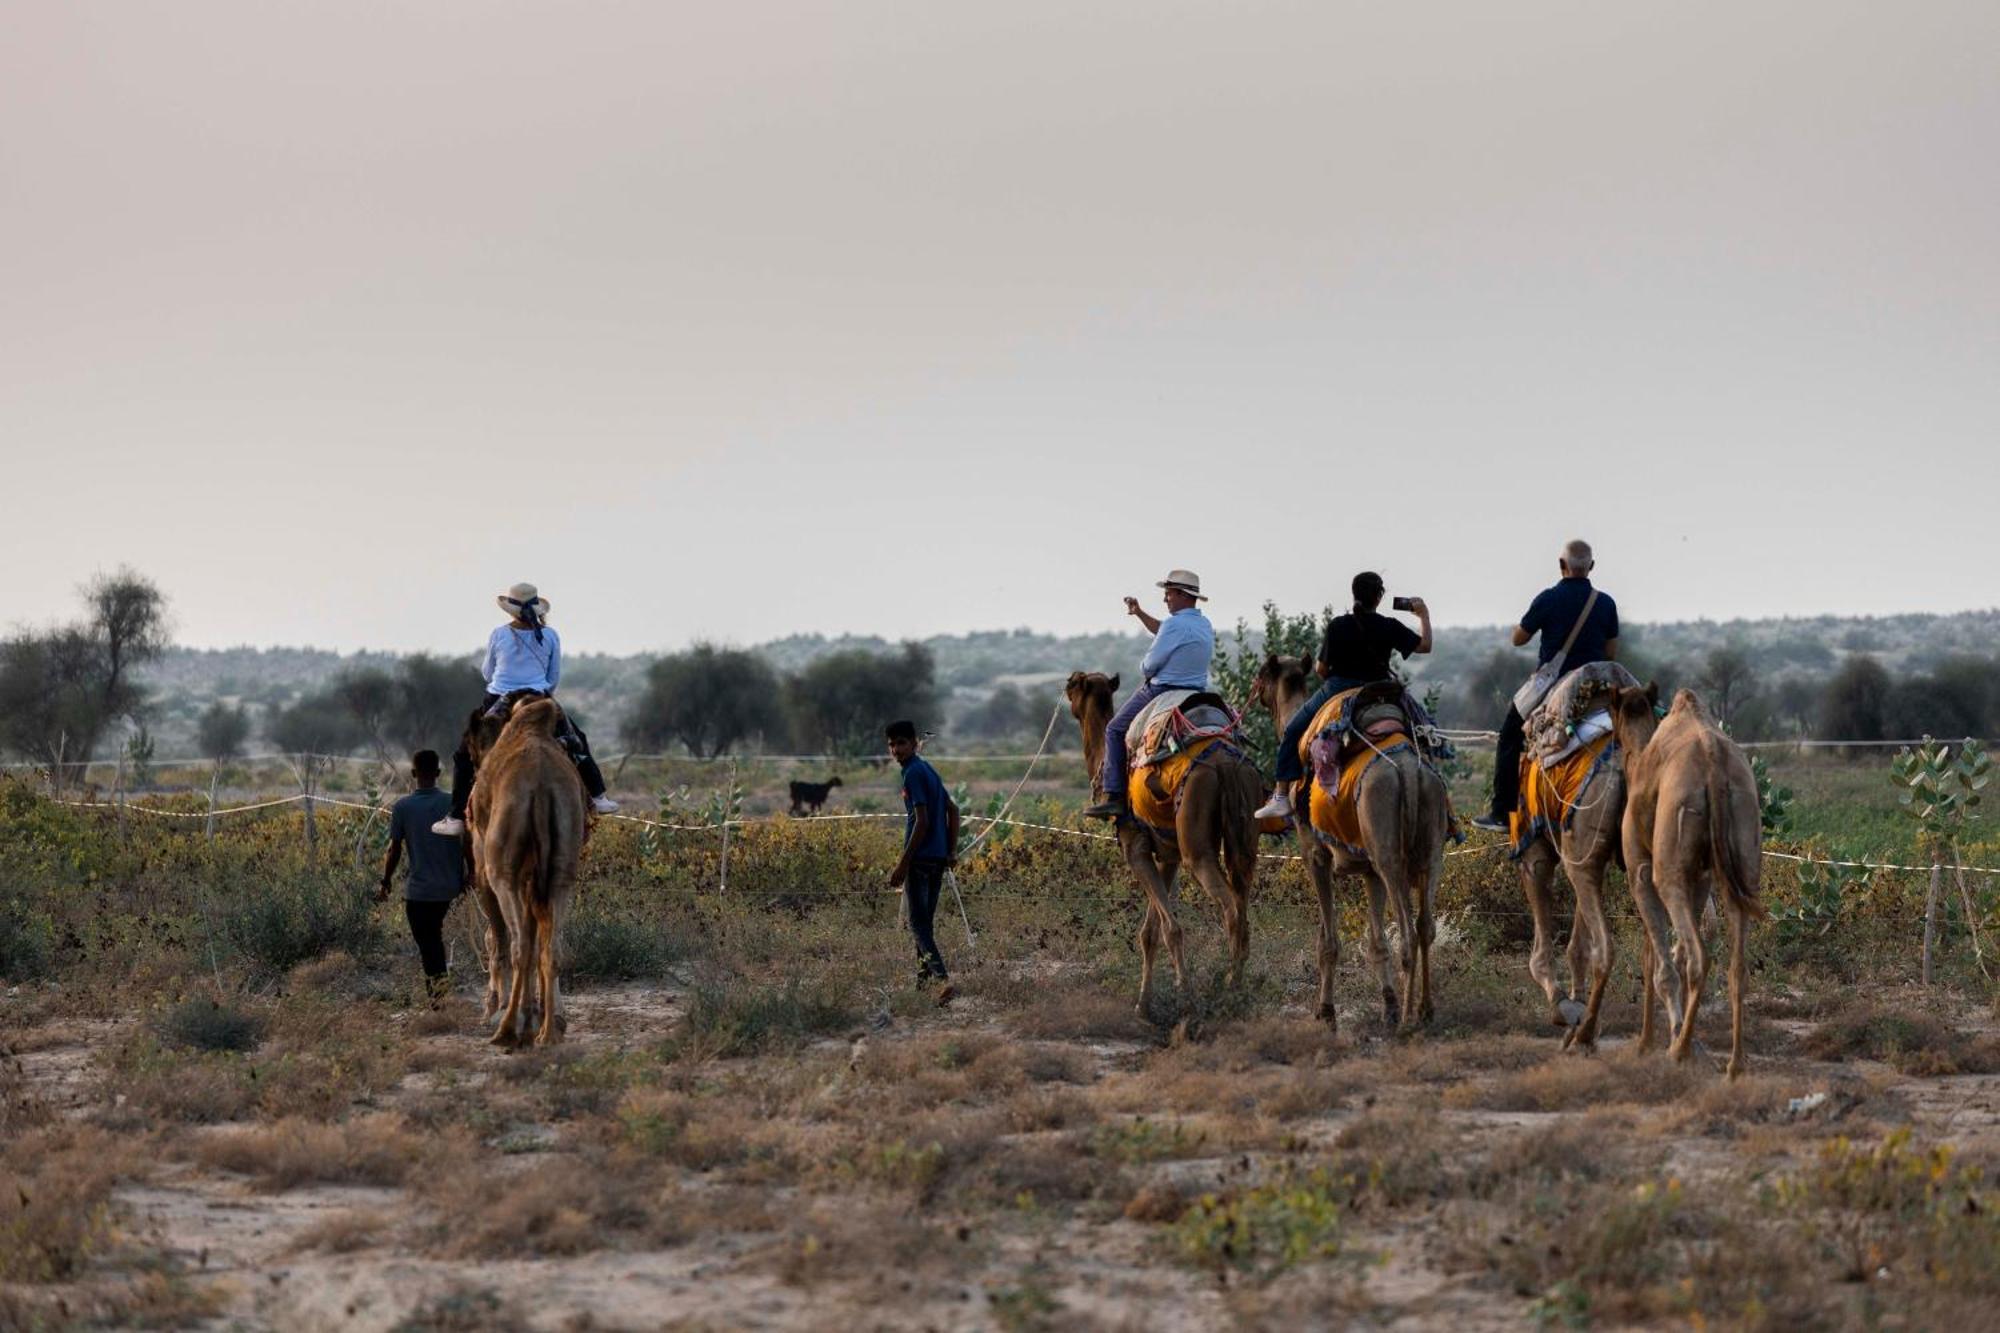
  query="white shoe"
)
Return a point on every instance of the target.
[
  {"x": 1278, "y": 807},
  {"x": 450, "y": 826},
  {"x": 603, "y": 805}
]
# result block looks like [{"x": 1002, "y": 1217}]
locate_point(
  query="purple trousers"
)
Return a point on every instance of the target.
[{"x": 1114, "y": 774}]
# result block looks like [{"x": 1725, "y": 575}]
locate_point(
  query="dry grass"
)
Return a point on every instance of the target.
[
  {"x": 1570, "y": 1083},
  {"x": 345, "y": 1233},
  {"x": 377, "y": 1150},
  {"x": 55, "y": 1199},
  {"x": 1908, "y": 1041}
]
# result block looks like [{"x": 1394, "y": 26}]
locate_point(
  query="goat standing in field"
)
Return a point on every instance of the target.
[{"x": 808, "y": 797}]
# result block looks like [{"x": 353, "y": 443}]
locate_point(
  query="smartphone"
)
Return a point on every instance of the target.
[{"x": 1400, "y": 603}]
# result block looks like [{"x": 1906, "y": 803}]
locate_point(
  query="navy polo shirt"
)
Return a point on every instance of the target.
[
  {"x": 923, "y": 787},
  {"x": 1554, "y": 612}
]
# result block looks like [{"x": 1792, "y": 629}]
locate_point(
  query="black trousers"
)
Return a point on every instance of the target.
[
  {"x": 573, "y": 741},
  {"x": 427, "y": 928},
  {"x": 1507, "y": 763},
  {"x": 921, "y": 892}
]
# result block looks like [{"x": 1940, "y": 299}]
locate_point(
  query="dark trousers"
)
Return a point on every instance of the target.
[
  {"x": 427, "y": 928},
  {"x": 1507, "y": 763},
  {"x": 921, "y": 892},
  {"x": 573, "y": 740}
]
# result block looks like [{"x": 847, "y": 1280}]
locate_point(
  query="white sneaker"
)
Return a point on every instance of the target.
[
  {"x": 450, "y": 826},
  {"x": 603, "y": 805},
  {"x": 1278, "y": 807}
]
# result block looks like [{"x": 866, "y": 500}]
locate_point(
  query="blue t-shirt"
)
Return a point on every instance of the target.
[
  {"x": 1554, "y": 612},
  {"x": 1181, "y": 651},
  {"x": 437, "y": 865},
  {"x": 923, "y": 787}
]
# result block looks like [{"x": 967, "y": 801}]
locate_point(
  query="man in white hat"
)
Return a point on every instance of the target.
[
  {"x": 523, "y": 654},
  {"x": 1183, "y": 645}
]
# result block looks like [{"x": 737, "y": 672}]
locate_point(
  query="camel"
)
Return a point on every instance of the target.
[
  {"x": 1214, "y": 834},
  {"x": 1586, "y": 844},
  {"x": 1693, "y": 825},
  {"x": 527, "y": 822},
  {"x": 1404, "y": 816}
]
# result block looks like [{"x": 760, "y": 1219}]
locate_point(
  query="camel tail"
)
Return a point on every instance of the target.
[
  {"x": 548, "y": 854},
  {"x": 1736, "y": 842},
  {"x": 1409, "y": 794},
  {"x": 1239, "y": 821}
]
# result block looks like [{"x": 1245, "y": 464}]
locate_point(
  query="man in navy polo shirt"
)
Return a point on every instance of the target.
[
  {"x": 437, "y": 867},
  {"x": 1552, "y": 615},
  {"x": 930, "y": 842}
]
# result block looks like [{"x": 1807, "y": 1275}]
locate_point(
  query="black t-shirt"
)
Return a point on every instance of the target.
[
  {"x": 1357, "y": 645},
  {"x": 1555, "y": 610}
]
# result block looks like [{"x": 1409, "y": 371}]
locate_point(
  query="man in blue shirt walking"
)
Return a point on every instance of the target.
[
  {"x": 1183, "y": 646},
  {"x": 1553, "y": 614},
  {"x": 437, "y": 867},
  {"x": 930, "y": 843}
]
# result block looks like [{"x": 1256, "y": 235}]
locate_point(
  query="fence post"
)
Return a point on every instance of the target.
[
  {"x": 118, "y": 796},
  {"x": 1930, "y": 909},
  {"x": 208, "y": 824},
  {"x": 728, "y": 818}
]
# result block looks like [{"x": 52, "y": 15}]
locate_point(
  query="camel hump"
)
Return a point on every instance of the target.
[{"x": 538, "y": 716}]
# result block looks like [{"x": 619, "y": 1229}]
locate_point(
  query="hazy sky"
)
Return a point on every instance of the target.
[{"x": 734, "y": 320}]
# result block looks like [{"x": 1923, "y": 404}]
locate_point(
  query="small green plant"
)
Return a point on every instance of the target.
[
  {"x": 1825, "y": 889},
  {"x": 1264, "y": 1230},
  {"x": 1940, "y": 789},
  {"x": 1143, "y": 1140},
  {"x": 1897, "y": 1206},
  {"x": 1773, "y": 801}
]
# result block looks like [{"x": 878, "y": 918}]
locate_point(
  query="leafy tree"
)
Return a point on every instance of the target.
[
  {"x": 313, "y": 733},
  {"x": 1489, "y": 691},
  {"x": 708, "y": 699},
  {"x": 433, "y": 697},
  {"x": 840, "y": 702},
  {"x": 1728, "y": 680},
  {"x": 369, "y": 695},
  {"x": 61, "y": 689},
  {"x": 1238, "y": 659},
  {"x": 221, "y": 730},
  {"x": 1853, "y": 706}
]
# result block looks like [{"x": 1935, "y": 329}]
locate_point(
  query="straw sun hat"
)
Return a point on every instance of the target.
[{"x": 521, "y": 596}]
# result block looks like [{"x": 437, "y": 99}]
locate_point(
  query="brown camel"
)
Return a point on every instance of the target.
[
  {"x": 1214, "y": 833},
  {"x": 527, "y": 822},
  {"x": 1404, "y": 816},
  {"x": 1693, "y": 825},
  {"x": 1585, "y": 841}
]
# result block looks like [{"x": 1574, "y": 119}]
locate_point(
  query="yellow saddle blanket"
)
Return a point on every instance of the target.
[
  {"x": 1154, "y": 792},
  {"x": 1336, "y": 815},
  {"x": 1549, "y": 795}
]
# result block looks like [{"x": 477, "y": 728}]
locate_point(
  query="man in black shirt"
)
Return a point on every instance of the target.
[
  {"x": 1354, "y": 652},
  {"x": 1553, "y": 614}
]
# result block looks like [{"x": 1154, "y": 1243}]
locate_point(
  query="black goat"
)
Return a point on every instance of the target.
[{"x": 808, "y": 797}]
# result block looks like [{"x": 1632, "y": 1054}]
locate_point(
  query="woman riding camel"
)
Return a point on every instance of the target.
[
  {"x": 523, "y": 654},
  {"x": 1354, "y": 652}
]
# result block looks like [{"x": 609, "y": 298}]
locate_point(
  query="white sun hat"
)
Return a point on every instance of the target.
[{"x": 1186, "y": 580}]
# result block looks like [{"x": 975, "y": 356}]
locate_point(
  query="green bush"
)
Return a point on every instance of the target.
[
  {"x": 277, "y": 928},
  {"x": 624, "y": 946},
  {"x": 26, "y": 941}
]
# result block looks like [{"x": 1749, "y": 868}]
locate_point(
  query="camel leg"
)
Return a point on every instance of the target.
[
  {"x": 521, "y": 961},
  {"x": 1647, "y": 987},
  {"x": 1537, "y": 877},
  {"x": 1319, "y": 869},
  {"x": 1378, "y": 946},
  {"x": 1661, "y": 979},
  {"x": 1209, "y": 872},
  {"x": 499, "y": 949},
  {"x": 1587, "y": 879},
  {"x": 1146, "y": 947},
  {"x": 1160, "y": 925},
  {"x": 550, "y": 1031},
  {"x": 1738, "y": 981},
  {"x": 1424, "y": 891},
  {"x": 1690, "y": 957}
]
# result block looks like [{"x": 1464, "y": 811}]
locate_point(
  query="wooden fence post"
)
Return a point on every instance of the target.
[{"x": 1930, "y": 909}]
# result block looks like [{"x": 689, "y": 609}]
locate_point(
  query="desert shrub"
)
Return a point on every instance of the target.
[
  {"x": 1911, "y": 1043},
  {"x": 204, "y": 1025},
  {"x": 295, "y": 921},
  {"x": 1262, "y": 1230},
  {"x": 728, "y": 1015},
  {"x": 606, "y": 945},
  {"x": 1896, "y": 1205},
  {"x": 27, "y": 940},
  {"x": 55, "y": 1202},
  {"x": 375, "y": 1151}
]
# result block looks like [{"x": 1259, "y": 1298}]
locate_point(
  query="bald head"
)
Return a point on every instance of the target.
[{"x": 1577, "y": 559}]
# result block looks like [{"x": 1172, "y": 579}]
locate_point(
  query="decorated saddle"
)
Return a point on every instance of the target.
[
  {"x": 1175, "y": 720},
  {"x": 1555, "y": 729},
  {"x": 1355, "y": 730},
  {"x": 1553, "y": 790}
]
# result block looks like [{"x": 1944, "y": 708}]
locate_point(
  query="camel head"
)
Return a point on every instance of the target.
[
  {"x": 1279, "y": 680},
  {"x": 1633, "y": 719},
  {"x": 1089, "y": 694}
]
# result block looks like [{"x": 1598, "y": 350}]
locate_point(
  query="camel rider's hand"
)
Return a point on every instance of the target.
[
  {"x": 1417, "y": 607},
  {"x": 1132, "y": 607}
]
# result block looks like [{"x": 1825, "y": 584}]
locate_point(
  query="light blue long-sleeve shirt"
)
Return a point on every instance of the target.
[
  {"x": 1181, "y": 651},
  {"x": 514, "y": 661}
]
